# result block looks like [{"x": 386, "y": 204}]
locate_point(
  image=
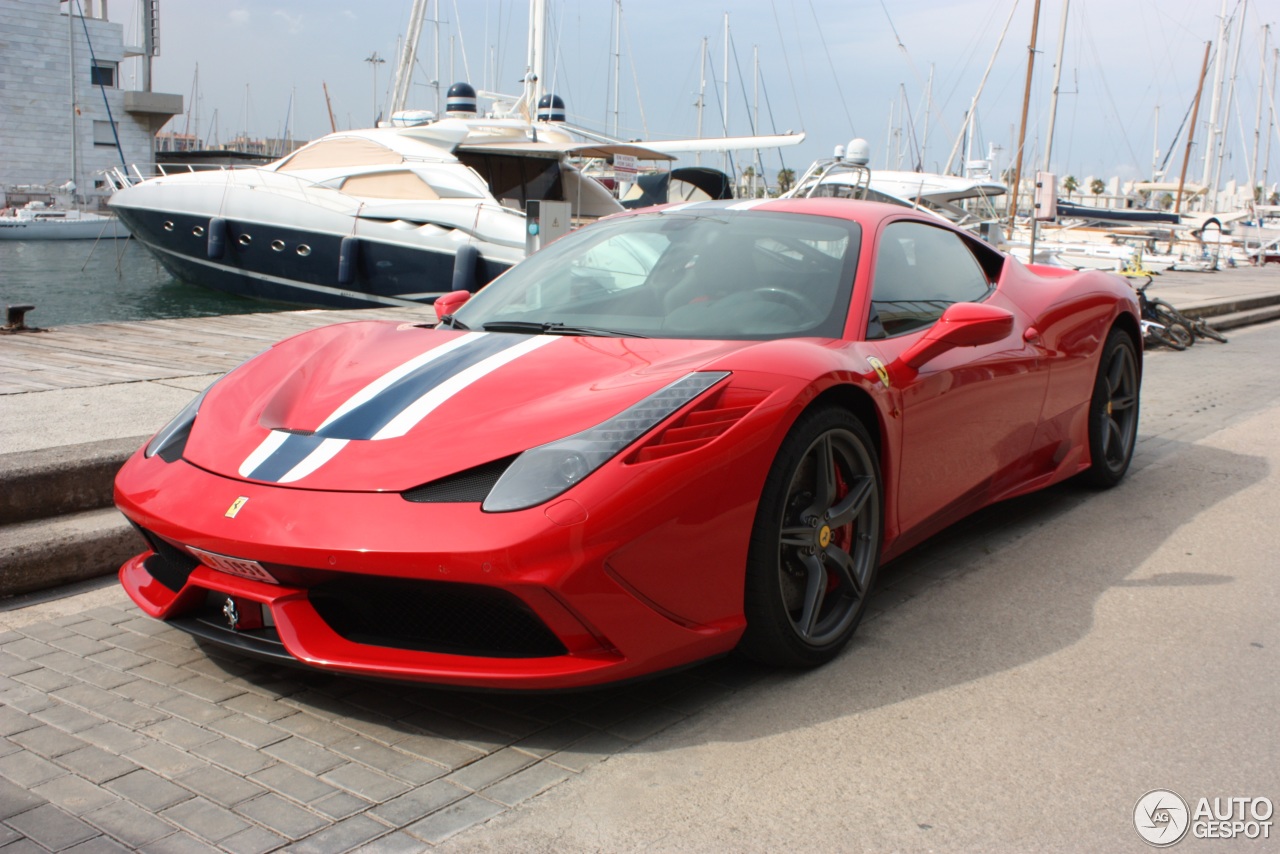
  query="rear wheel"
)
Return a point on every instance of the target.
[
  {"x": 1113, "y": 411},
  {"x": 815, "y": 544}
]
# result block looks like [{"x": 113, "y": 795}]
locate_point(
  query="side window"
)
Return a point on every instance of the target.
[{"x": 920, "y": 270}]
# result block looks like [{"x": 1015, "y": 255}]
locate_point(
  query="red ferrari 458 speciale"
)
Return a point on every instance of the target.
[{"x": 669, "y": 435}]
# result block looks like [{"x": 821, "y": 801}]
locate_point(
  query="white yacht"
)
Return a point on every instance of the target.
[{"x": 368, "y": 217}]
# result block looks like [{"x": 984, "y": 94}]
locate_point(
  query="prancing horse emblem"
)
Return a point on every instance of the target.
[
  {"x": 230, "y": 611},
  {"x": 235, "y": 506}
]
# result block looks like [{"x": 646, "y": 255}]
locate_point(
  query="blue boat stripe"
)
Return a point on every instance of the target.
[
  {"x": 295, "y": 449},
  {"x": 366, "y": 420}
]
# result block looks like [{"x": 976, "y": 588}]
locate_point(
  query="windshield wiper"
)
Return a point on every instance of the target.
[
  {"x": 555, "y": 328},
  {"x": 452, "y": 322}
]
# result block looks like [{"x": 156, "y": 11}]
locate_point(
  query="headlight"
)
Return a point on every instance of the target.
[
  {"x": 542, "y": 473},
  {"x": 172, "y": 438}
]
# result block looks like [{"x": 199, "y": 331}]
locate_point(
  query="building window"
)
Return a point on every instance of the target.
[
  {"x": 103, "y": 74},
  {"x": 102, "y": 134}
]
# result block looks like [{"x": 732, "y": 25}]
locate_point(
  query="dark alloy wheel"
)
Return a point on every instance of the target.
[
  {"x": 1113, "y": 412},
  {"x": 815, "y": 546}
]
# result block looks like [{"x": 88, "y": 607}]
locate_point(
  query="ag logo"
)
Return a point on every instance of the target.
[
  {"x": 1161, "y": 818},
  {"x": 235, "y": 507}
]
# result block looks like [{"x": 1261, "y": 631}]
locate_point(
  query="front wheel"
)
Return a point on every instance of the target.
[
  {"x": 1113, "y": 411},
  {"x": 815, "y": 543},
  {"x": 1204, "y": 330}
]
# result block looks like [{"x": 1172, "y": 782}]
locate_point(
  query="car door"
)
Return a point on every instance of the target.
[{"x": 968, "y": 415}]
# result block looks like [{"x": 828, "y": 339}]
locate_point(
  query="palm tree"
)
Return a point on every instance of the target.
[
  {"x": 1166, "y": 201},
  {"x": 1070, "y": 184},
  {"x": 1097, "y": 187},
  {"x": 786, "y": 177}
]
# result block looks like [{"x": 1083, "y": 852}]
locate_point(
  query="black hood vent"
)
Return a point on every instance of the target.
[{"x": 470, "y": 486}]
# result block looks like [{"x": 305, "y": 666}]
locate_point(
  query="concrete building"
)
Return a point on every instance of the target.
[{"x": 55, "y": 125}]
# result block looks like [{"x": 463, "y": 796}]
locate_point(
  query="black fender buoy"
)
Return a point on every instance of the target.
[
  {"x": 217, "y": 237},
  {"x": 464, "y": 268},
  {"x": 348, "y": 254}
]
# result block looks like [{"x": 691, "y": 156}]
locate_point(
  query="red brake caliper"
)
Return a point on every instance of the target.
[{"x": 841, "y": 538}]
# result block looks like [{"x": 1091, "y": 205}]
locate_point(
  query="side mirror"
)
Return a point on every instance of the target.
[
  {"x": 963, "y": 324},
  {"x": 450, "y": 302}
]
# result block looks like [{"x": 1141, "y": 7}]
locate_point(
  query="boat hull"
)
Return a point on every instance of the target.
[
  {"x": 270, "y": 261},
  {"x": 85, "y": 229}
]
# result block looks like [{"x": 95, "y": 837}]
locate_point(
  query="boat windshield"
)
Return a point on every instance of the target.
[
  {"x": 694, "y": 273},
  {"x": 343, "y": 151}
]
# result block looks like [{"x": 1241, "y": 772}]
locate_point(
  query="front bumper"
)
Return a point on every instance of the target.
[{"x": 531, "y": 595}]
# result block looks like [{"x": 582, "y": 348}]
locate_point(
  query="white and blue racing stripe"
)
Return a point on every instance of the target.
[{"x": 389, "y": 406}]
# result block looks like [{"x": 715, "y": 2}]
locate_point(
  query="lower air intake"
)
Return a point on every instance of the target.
[{"x": 433, "y": 616}]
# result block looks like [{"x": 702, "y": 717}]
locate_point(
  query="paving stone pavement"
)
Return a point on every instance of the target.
[{"x": 118, "y": 733}]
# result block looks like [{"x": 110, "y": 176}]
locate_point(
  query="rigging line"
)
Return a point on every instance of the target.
[
  {"x": 635, "y": 78},
  {"x": 462, "y": 42},
  {"x": 835, "y": 78},
  {"x": 1176, "y": 136},
  {"x": 786, "y": 61},
  {"x": 910, "y": 63},
  {"x": 742, "y": 84},
  {"x": 115, "y": 133},
  {"x": 913, "y": 142},
  {"x": 773, "y": 124},
  {"x": 1093, "y": 48}
]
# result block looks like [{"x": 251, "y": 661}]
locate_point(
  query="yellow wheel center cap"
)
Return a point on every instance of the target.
[
  {"x": 824, "y": 536},
  {"x": 1108, "y": 407}
]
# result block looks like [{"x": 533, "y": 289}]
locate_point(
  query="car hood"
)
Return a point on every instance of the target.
[{"x": 381, "y": 406}]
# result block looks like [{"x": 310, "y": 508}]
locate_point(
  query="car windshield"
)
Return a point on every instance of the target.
[{"x": 693, "y": 273}]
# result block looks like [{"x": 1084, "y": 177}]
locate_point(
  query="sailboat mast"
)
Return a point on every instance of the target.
[
  {"x": 1271, "y": 117},
  {"x": 1226, "y": 112},
  {"x": 726, "y": 86},
  {"x": 1219, "y": 63},
  {"x": 702, "y": 94},
  {"x": 1057, "y": 80},
  {"x": 537, "y": 46},
  {"x": 617, "y": 62},
  {"x": 1257, "y": 121},
  {"x": 71, "y": 69},
  {"x": 1191, "y": 129},
  {"x": 1155, "y": 148},
  {"x": 1026, "y": 102}
]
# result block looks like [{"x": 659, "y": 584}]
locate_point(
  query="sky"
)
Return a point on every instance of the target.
[{"x": 899, "y": 73}]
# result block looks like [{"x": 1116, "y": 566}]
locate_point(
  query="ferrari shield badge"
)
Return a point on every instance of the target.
[
  {"x": 880, "y": 372},
  {"x": 235, "y": 506}
]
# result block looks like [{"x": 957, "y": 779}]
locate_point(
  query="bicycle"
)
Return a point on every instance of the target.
[{"x": 1161, "y": 322}]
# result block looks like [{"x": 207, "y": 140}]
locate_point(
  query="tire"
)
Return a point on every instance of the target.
[
  {"x": 1179, "y": 328},
  {"x": 1204, "y": 330},
  {"x": 815, "y": 543},
  {"x": 1162, "y": 335},
  {"x": 1113, "y": 411}
]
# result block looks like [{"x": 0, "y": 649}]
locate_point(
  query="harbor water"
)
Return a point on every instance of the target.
[{"x": 89, "y": 281}]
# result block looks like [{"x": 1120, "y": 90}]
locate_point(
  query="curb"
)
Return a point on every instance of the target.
[
  {"x": 54, "y": 481},
  {"x": 57, "y": 521},
  {"x": 76, "y": 547}
]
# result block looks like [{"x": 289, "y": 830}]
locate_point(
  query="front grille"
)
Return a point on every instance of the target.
[
  {"x": 433, "y": 616},
  {"x": 169, "y": 565},
  {"x": 472, "y": 485}
]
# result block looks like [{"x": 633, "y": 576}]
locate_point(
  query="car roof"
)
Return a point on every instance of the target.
[{"x": 866, "y": 213}]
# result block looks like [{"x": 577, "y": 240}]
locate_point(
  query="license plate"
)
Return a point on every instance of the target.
[{"x": 233, "y": 565}]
